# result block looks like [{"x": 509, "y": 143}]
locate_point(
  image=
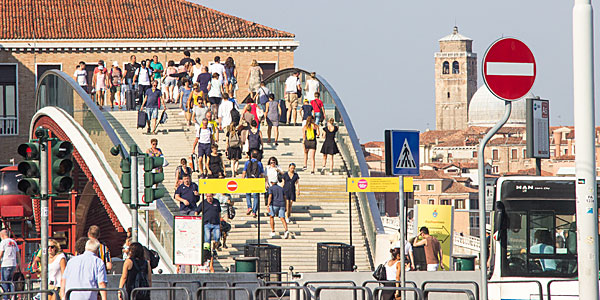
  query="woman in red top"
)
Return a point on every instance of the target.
[{"x": 318, "y": 109}]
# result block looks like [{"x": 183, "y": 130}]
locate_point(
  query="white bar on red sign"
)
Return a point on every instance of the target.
[{"x": 509, "y": 69}]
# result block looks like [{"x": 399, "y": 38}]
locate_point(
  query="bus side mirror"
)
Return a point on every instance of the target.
[{"x": 502, "y": 223}]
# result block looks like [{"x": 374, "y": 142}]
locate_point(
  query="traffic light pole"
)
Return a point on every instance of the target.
[
  {"x": 44, "y": 214},
  {"x": 133, "y": 153}
]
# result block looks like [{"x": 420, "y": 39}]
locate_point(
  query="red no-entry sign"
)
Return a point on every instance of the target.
[
  {"x": 509, "y": 69},
  {"x": 232, "y": 186}
]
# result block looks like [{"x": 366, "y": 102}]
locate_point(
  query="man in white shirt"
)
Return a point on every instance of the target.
[
  {"x": 292, "y": 86},
  {"x": 9, "y": 257},
  {"x": 142, "y": 77},
  {"x": 224, "y": 112},
  {"x": 81, "y": 76},
  {"x": 218, "y": 68},
  {"x": 204, "y": 139}
]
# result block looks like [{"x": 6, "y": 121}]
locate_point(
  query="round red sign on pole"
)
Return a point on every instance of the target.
[
  {"x": 362, "y": 184},
  {"x": 509, "y": 69},
  {"x": 232, "y": 185}
]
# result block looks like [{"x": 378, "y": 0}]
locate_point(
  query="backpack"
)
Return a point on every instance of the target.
[
  {"x": 141, "y": 281},
  {"x": 234, "y": 139},
  {"x": 152, "y": 256},
  {"x": 30, "y": 266},
  {"x": 380, "y": 273},
  {"x": 253, "y": 140},
  {"x": 253, "y": 169},
  {"x": 235, "y": 116},
  {"x": 310, "y": 134}
]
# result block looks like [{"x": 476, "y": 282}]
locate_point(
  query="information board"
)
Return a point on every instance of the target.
[
  {"x": 372, "y": 184},
  {"x": 231, "y": 186},
  {"x": 439, "y": 219},
  {"x": 187, "y": 244},
  {"x": 538, "y": 128}
]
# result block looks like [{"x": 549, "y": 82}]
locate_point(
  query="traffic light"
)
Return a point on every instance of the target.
[
  {"x": 29, "y": 168},
  {"x": 126, "y": 180},
  {"x": 62, "y": 164},
  {"x": 151, "y": 178}
]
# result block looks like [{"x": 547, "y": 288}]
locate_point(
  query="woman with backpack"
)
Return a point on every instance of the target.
[
  {"x": 231, "y": 75},
  {"x": 136, "y": 272},
  {"x": 310, "y": 132},
  {"x": 254, "y": 139},
  {"x": 234, "y": 148},
  {"x": 273, "y": 111},
  {"x": 182, "y": 170}
]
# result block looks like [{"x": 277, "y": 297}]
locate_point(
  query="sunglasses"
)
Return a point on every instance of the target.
[{"x": 52, "y": 247}]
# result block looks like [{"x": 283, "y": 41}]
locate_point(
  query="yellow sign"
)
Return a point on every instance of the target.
[
  {"x": 408, "y": 184},
  {"x": 438, "y": 219},
  {"x": 231, "y": 186},
  {"x": 373, "y": 184}
]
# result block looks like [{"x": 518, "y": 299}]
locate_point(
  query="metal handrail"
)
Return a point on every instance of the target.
[
  {"x": 204, "y": 284},
  {"x": 420, "y": 295},
  {"x": 88, "y": 101},
  {"x": 313, "y": 282},
  {"x": 284, "y": 288},
  {"x": 469, "y": 293},
  {"x": 33, "y": 292},
  {"x": 259, "y": 283},
  {"x": 365, "y": 283},
  {"x": 169, "y": 289},
  {"x": 557, "y": 280},
  {"x": 12, "y": 284},
  {"x": 540, "y": 290},
  {"x": 200, "y": 291},
  {"x": 453, "y": 282},
  {"x": 122, "y": 290},
  {"x": 353, "y": 288}
]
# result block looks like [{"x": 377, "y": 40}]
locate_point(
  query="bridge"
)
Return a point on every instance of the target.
[{"x": 320, "y": 215}]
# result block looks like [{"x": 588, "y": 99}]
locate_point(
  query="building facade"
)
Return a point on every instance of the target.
[{"x": 60, "y": 34}]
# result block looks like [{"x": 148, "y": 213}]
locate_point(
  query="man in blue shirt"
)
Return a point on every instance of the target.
[
  {"x": 276, "y": 207},
  {"x": 211, "y": 214},
  {"x": 187, "y": 196},
  {"x": 253, "y": 169},
  {"x": 151, "y": 100},
  {"x": 85, "y": 271}
]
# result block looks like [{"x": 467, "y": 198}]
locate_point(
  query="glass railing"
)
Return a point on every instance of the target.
[
  {"x": 56, "y": 88},
  {"x": 348, "y": 143}
]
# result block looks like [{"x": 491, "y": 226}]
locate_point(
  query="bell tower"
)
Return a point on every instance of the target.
[{"x": 455, "y": 81}]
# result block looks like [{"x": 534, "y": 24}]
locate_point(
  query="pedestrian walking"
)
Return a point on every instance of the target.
[
  {"x": 433, "y": 250},
  {"x": 185, "y": 92},
  {"x": 115, "y": 78},
  {"x": 187, "y": 196},
  {"x": 203, "y": 80},
  {"x": 392, "y": 272},
  {"x": 80, "y": 76},
  {"x": 181, "y": 171},
  {"x": 204, "y": 139},
  {"x": 152, "y": 101},
  {"x": 254, "y": 139},
  {"x": 143, "y": 77},
  {"x": 131, "y": 83},
  {"x": 310, "y": 132},
  {"x": 215, "y": 92},
  {"x": 154, "y": 151},
  {"x": 273, "y": 172},
  {"x": 211, "y": 215},
  {"x": 157, "y": 70},
  {"x": 329, "y": 147},
  {"x": 103, "y": 252},
  {"x": 311, "y": 86},
  {"x": 253, "y": 169},
  {"x": 291, "y": 189},
  {"x": 100, "y": 83},
  {"x": 276, "y": 207},
  {"x": 262, "y": 95},
  {"x": 273, "y": 111},
  {"x": 216, "y": 169},
  {"x": 234, "y": 148},
  {"x": 306, "y": 110},
  {"x": 136, "y": 273},
  {"x": 197, "y": 69},
  {"x": 9, "y": 263},
  {"x": 231, "y": 75},
  {"x": 292, "y": 86},
  {"x": 57, "y": 262},
  {"x": 318, "y": 108},
  {"x": 198, "y": 105},
  {"x": 217, "y": 67},
  {"x": 255, "y": 74},
  {"x": 224, "y": 113},
  {"x": 85, "y": 271},
  {"x": 171, "y": 81}
]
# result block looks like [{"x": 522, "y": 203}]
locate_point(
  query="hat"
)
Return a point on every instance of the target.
[
  {"x": 273, "y": 180},
  {"x": 115, "y": 63},
  {"x": 100, "y": 62}
]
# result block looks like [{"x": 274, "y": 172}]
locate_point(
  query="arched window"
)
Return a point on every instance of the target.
[
  {"x": 455, "y": 68},
  {"x": 445, "y": 68}
]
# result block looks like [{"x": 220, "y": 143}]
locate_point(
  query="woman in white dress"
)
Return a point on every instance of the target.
[
  {"x": 57, "y": 262},
  {"x": 311, "y": 86}
]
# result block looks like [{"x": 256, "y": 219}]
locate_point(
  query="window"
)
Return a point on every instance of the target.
[
  {"x": 446, "y": 68},
  {"x": 459, "y": 204},
  {"x": 431, "y": 201},
  {"x": 430, "y": 187},
  {"x": 455, "y": 68},
  {"x": 268, "y": 68},
  {"x": 473, "y": 204},
  {"x": 474, "y": 154},
  {"x": 513, "y": 154},
  {"x": 41, "y": 68},
  {"x": 449, "y": 155},
  {"x": 417, "y": 201},
  {"x": 381, "y": 206},
  {"x": 445, "y": 202},
  {"x": 448, "y": 94},
  {"x": 495, "y": 154},
  {"x": 416, "y": 187},
  {"x": 524, "y": 153},
  {"x": 8, "y": 100},
  {"x": 495, "y": 170}
]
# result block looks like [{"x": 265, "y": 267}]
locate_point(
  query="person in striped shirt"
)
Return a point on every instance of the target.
[{"x": 103, "y": 252}]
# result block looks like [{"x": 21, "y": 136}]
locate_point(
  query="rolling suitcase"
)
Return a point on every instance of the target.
[
  {"x": 129, "y": 101},
  {"x": 141, "y": 120},
  {"x": 194, "y": 162}
]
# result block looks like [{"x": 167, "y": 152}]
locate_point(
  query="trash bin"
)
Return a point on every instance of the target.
[
  {"x": 269, "y": 259},
  {"x": 245, "y": 264},
  {"x": 334, "y": 257},
  {"x": 464, "y": 262}
]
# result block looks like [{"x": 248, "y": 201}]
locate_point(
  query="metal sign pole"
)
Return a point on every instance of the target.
[
  {"x": 585, "y": 159},
  {"x": 258, "y": 212},
  {"x": 134, "y": 193},
  {"x": 482, "y": 213},
  {"x": 350, "y": 215},
  {"x": 402, "y": 218},
  {"x": 44, "y": 214},
  {"x": 147, "y": 215}
]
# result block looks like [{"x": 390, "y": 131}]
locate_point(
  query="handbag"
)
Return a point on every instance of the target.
[
  {"x": 246, "y": 146},
  {"x": 259, "y": 112},
  {"x": 380, "y": 273}
]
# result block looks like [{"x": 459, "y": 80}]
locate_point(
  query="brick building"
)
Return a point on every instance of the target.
[{"x": 37, "y": 36}]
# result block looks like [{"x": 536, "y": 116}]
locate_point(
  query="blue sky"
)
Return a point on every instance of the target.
[{"x": 378, "y": 55}]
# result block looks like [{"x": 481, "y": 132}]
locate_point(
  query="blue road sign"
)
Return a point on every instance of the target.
[{"x": 402, "y": 152}]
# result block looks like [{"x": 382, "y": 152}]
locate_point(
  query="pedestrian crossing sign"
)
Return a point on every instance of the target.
[{"x": 402, "y": 152}]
